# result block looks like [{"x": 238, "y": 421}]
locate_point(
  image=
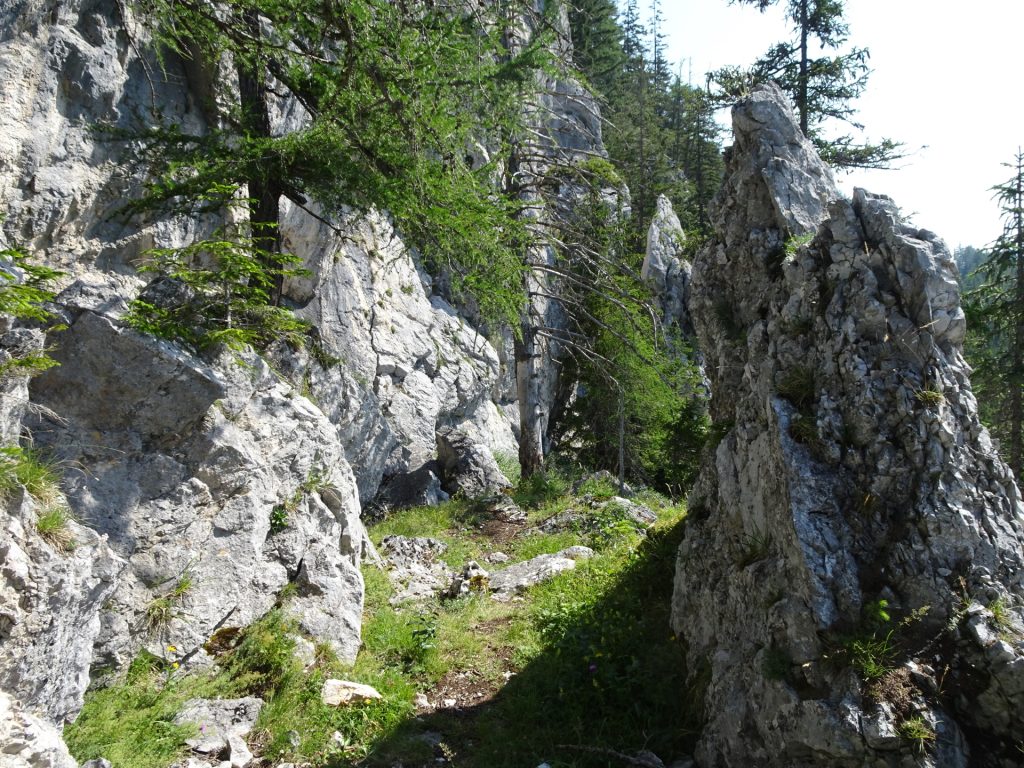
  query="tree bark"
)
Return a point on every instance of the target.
[
  {"x": 531, "y": 421},
  {"x": 802, "y": 83}
]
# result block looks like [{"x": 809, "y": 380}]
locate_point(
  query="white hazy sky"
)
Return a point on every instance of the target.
[{"x": 947, "y": 82}]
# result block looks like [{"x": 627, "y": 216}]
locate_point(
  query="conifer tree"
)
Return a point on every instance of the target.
[
  {"x": 394, "y": 93},
  {"x": 997, "y": 307},
  {"x": 822, "y": 87}
]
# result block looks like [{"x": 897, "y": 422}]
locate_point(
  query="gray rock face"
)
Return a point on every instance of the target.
[
  {"x": 216, "y": 481},
  {"x": 665, "y": 267},
  {"x": 15, "y": 343},
  {"x": 27, "y": 741},
  {"x": 50, "y": 603},
  {"x": 468, "y": 467},
  {"x": 855, "y": 471},
  {"x": 401, "y": 350}
]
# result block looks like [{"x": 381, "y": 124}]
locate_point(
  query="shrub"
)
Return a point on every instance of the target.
[
  {"x": 23, "y": 292},
  {"x": 221, "y": 293}
]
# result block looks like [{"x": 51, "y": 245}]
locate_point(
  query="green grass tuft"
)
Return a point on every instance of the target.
[
  {"x": 797, "y": 385},
  {"x": 24, "y": 467},
  {"x": 52, "y": 525}
]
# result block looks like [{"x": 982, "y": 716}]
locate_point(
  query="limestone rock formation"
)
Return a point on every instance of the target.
[
  {"x": 215, "y": 481},
  {"x": 203, "y": 484},
  {"x": 402, "y": 362},
  {"x": 28, "y": 741},
  {"x": 848, "y": 532},
  {"x": 50, "y": 600},
  {"x": 665, "y": 267}
]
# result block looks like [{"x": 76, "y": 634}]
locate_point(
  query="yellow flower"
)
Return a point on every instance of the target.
[
  {"x": 175, "y": 665},
  {"x": 172, "y": 649}
]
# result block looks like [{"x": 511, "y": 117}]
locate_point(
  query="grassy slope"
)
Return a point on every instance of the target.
[{"x": 586, "y": 660}]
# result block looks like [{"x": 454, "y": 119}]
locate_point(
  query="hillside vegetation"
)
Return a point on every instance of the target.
[{"x": 578, "y": 671}]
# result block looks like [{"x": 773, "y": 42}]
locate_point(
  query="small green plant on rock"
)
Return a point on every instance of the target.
[
  {"x": 52, "y": 525},
  {"x": 24, "y": 467},
  {"x": 777, "y": 663},
  {"x": 917, "y": 731},
  {"x": 727, "y": 317},
  {"x": 161, "y": 610},
  {"x": 804, "y": 430},
  {"x": 796, "y": 242},
  {"x": 797, "y": 385},
  {"x": 756, "y": 547},
  {"x": 930, "y": 398},
  {"x": 871, "y": 655}
]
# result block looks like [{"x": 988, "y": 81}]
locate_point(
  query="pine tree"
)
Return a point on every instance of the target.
[
  {"x": 597, "y": 45},
  {"x": 822, "y": 87},
  {"x": 997, "y": 306}
]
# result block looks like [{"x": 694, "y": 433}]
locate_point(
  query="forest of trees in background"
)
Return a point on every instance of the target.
[
  {"x": 993, "y": 279},
  {"x": 660, "y": 131}
]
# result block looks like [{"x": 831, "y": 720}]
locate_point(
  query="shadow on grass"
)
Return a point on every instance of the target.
[{"x": 609, "y": 676}]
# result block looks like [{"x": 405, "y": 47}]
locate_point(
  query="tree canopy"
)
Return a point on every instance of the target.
[
  {"x": 822, "y": 87},
  {"x": 996, "y": 314},
  {"x": 394, "y": 98}
]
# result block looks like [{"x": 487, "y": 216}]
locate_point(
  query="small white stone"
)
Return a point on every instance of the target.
[{"x": 338, "y": 693}]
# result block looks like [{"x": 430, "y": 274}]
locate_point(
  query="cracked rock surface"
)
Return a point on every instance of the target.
[{"x": 854, "y": 476}]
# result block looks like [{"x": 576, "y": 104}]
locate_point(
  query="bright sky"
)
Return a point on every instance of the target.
[{"x": 947, "y": 82}]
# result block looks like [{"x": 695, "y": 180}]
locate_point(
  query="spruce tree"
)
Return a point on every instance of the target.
[
  {"x": 822, "y": 87},
  {"x": 997, "y": 307}
]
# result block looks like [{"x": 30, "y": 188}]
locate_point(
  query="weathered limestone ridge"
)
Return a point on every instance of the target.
[{"x": 855, "y": 501}]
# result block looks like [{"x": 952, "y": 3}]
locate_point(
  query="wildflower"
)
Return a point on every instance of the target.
[
  {"x": 593, "y": 667},
  {"x": 172, "y": 649}
]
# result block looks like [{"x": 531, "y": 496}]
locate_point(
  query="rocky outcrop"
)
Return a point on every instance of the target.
[
  {"x": 665, "y": 267},
  {"x": 215, "y": 480},
  {"x": 27, "y": 741},
  {"x": 50, "y": 601},
  {"x": 846, "y": 534},
  {"x": 400, "y": 361}
]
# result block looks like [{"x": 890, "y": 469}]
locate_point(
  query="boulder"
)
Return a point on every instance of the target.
[
  {"x": 220, "y": 722},
  {"x": 414, "y": 568},
  {"x": 417, "y": 488},
  {"x": 212, "y": 478},
  {"x": 472, "y": 578},
  {"x": 468, "y": 467},
  {"x": 28, "y": 741}
]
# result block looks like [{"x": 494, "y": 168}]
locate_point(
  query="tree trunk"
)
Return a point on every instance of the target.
[
  {"x": 802, "y": 84},
  {"x": 531, "y": 407},
  {"x": 264, "y": 186}
]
